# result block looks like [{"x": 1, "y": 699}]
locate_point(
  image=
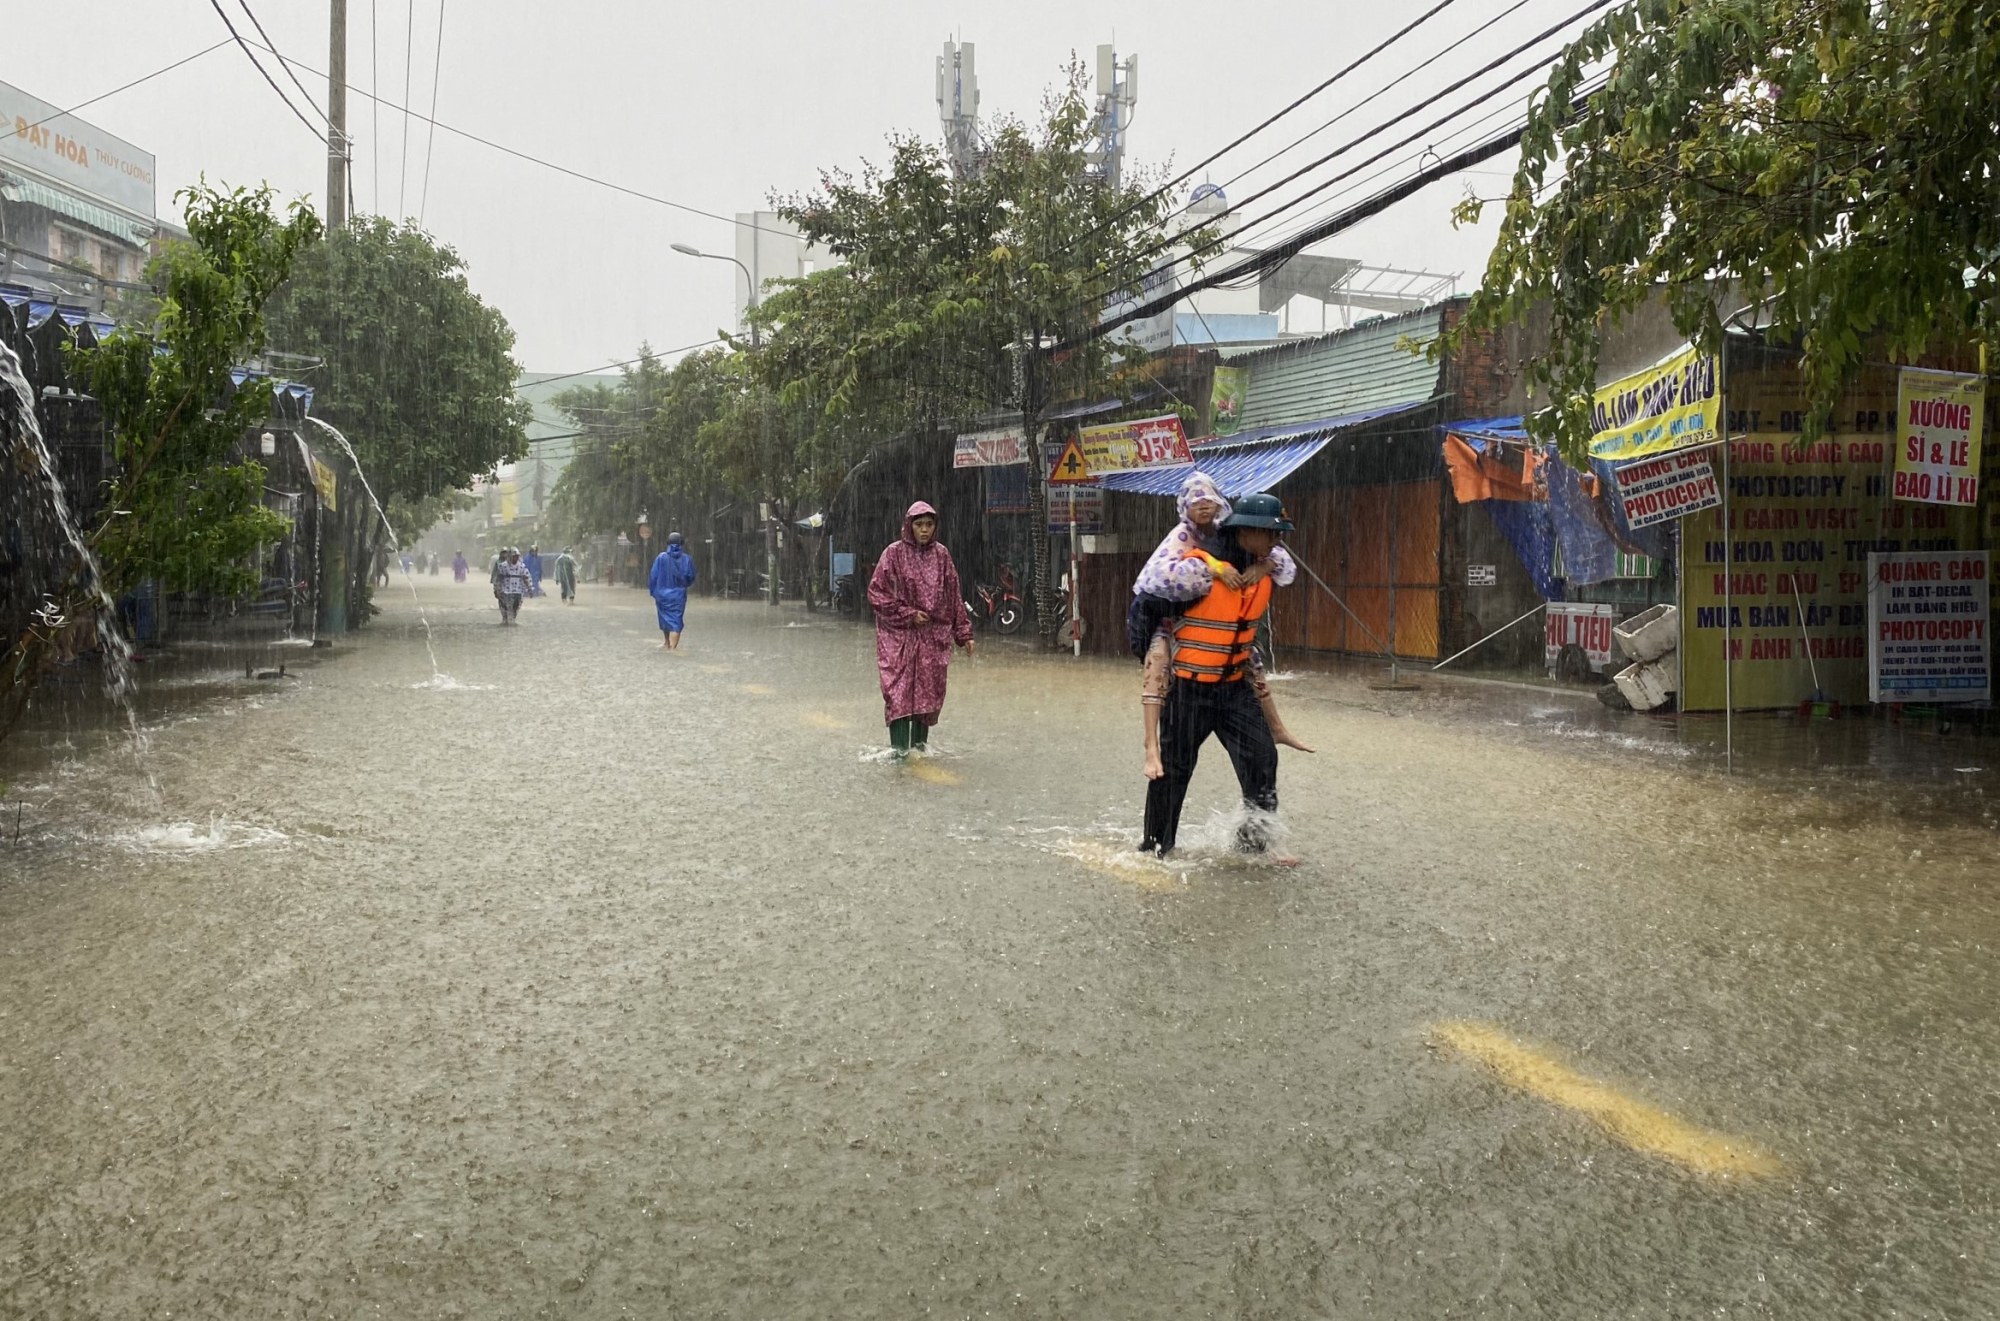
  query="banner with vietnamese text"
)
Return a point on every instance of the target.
[
  {"x": 1940, "y": 418},
  {"x": 1119, "y": 446},
  {"x": 1674, "y": 406}
]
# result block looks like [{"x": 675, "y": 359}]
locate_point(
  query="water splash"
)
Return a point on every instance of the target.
[
  {"x": 188, "y": 837},
  {"x": 17, "y": 413},
  {"x": 408, "y": 578},
  {"x": 444, "y": 683}
]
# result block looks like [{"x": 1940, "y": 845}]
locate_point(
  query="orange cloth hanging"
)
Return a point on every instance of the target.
[{"x": 1476, "y": 476}]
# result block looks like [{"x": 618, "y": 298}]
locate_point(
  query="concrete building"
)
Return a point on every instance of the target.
[{"x": 77, "y": 205}]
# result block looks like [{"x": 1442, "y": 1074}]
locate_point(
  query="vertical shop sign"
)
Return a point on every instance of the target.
[
  {"x": 1940, "y": 418},
  {"x": 1929, "y": 627},
  {"x": 1225, "y": 400}
]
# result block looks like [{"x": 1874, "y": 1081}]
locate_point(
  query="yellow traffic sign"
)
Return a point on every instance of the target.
[{"x": 1070, "y": 467}]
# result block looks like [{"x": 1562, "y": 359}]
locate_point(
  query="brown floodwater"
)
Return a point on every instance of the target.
[{"x": 590, "y": 981}]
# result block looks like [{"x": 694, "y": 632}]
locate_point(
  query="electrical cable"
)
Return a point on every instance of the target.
[
  {"x": 1166, "y": 243},
  {"x": 251, "y": 56},
  {"x": 374, "y": 103},
  {"x": 1334, "y": 224},
  {"x": 592, "y": 371},
  {"x": 409, "y": 46},
  {"x": 1210, "y": 159},
  {"x": 1405, "y": 77},
  {"x": 430, "y": 133},
  {"x": 283, "y": 63},
  {"x": 189, "y": 59},
  {"x": 546, "y": 164}
]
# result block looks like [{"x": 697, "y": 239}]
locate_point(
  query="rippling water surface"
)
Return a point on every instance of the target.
[{"x": 579, "y": 979}]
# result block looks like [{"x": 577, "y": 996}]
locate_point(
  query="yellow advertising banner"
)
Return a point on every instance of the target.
[
  {"x": 1940, "y": 418},
  {"x": 1788, "y": 572},
  {"x": 1674, "y": 406},
  {"x": 1118, "y": 446},
  {"x": 327, "y": 483},
  {"x": 510, "y": 497}
]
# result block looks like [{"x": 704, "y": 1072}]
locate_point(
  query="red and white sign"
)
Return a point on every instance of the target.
[
  {"x": 1669, "y": 487},
  {"x": 989, "y": 449},
  {"x": 1121, "y": 446},
  {"x": 1582, "y": 624}
]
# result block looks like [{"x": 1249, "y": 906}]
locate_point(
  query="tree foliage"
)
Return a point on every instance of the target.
[
  {"x": 417, "y": 373},
  {"x": 951, "y": 288},
  {"x": 181, "y": 509},
  {"x": 949, "y": 291},
  {"x": 181, "y": 512},
  {"x": 1839, "y": 158}
]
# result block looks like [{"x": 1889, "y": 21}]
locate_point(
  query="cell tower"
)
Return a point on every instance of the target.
[
  {"x": 958, "y": 106},
  {"x": 1116, "y": 96}
]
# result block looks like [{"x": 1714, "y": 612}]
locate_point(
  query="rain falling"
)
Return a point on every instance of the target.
[{"x": 748, "y": 663}]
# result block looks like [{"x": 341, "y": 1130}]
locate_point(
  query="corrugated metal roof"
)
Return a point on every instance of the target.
[
  {"x": 1349, "y": 371},
  {"x": 1249, "y": 461}
]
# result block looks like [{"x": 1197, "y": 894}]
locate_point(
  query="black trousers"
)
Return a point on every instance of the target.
[{"x": 1230, "y": 712}]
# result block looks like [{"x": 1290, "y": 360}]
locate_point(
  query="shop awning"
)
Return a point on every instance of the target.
[
  {"x": 35, "y": 193},
  {"x": 1250, "y": 460},
  {"x": 1477, "y": 431}
]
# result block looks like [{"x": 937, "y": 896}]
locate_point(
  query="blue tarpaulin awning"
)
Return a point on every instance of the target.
[
  {"x": 1476, "y": 432},
  {"x": 1250, "y": 460}
]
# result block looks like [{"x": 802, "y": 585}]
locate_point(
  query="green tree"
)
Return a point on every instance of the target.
[
  {"x": 1839, "y": 158},
  {"x": 182, "y": 509},
  {"x": 951, "y": 291},
  {"x": 417, "y": 370}
]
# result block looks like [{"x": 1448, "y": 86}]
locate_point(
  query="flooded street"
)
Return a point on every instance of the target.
[{"x": 584, "y": 980}]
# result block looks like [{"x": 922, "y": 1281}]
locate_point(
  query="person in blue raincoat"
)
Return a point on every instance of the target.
[
  {"x": 532, "y": 562},
  {"x": 673, "y": 574}
]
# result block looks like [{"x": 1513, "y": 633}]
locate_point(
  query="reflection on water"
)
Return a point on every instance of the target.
[{"x": 591, "y": 985}]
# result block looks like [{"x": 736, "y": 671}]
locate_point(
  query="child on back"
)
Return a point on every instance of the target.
[{"x": 1172, "y": 577}]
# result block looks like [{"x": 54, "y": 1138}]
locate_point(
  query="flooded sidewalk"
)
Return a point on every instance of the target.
[{"x": 573, "y": 978}]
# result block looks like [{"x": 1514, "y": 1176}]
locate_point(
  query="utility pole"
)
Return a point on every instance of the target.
[{"x": 336, "y": 117}]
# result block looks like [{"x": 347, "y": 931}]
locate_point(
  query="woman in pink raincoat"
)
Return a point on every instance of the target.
[{"x": 919, "y": 614}]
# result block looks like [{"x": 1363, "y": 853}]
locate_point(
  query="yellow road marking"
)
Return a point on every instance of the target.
[
  {"x": 1122, "y": 865},
  {"x": 931, "y": 774},
  {"x": 758, "y": 689},
  {"x": 715, "y": 669},
  {"x": 821, "y": 720},
  {"x": 1637, "y": 1124}
]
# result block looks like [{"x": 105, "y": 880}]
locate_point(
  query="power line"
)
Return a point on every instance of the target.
[
  {"x": 1413, "y": 71},
  {"x": 532, "y": 159},
  {"x": 189, "y": 59},
  {"x": 1188, "y": 173},
  {"x": 374, "y": 103},
  {"x": 592, "y": 371},
  {"x": 430, "y": 133},
  {"x": 1334, "y": 224},
  {"x": 409, "y": 46},
  {"x": 1167, "y": 243},
  {"x": 251, "y": 56},
  {"x": 283, "y": 63}
]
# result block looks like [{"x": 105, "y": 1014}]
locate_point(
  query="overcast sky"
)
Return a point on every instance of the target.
[{"x": 715, "y": 105}]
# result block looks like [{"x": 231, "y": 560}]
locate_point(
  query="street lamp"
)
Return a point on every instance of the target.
[
  {"x": 750, "y": 307},
  {"x": 749, "y": 283}
]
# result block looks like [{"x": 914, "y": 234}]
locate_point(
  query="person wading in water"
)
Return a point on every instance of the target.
[
  {"x": 510, "y": 584},
  {"x": 1211, "y": 653},
  {"x": 1171, "y": 576},
  {"x": 919, "y": 614},
  {"x": 673, "y": 574}
]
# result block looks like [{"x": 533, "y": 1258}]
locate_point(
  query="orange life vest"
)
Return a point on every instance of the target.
[{"x": 1212, "y": 640}]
